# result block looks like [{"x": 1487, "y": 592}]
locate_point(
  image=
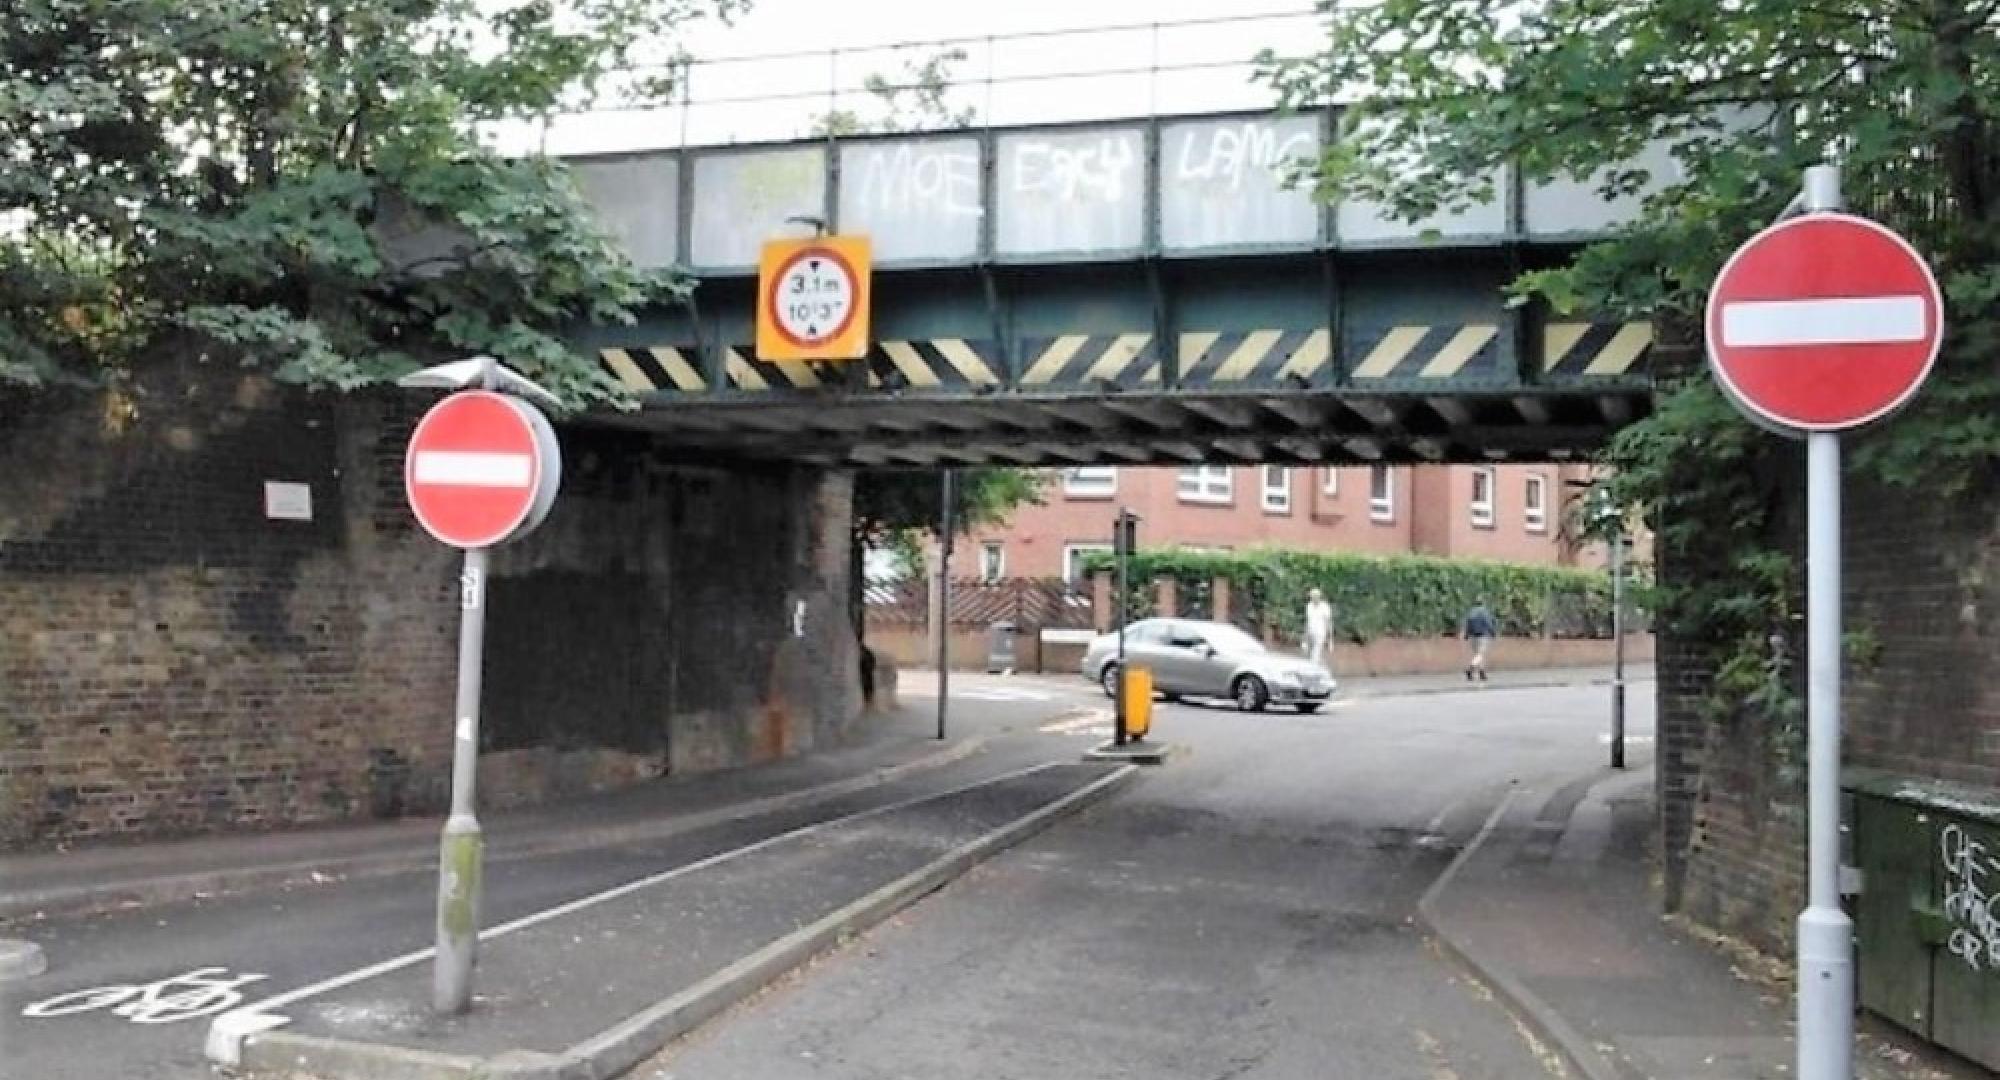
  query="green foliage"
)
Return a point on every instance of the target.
[
  {"x": 1383, "y": 596},
  {"x": 915, "y": 99},
  {"x": 1905, "y": 94},
  {"x": 300, "y": 186}
]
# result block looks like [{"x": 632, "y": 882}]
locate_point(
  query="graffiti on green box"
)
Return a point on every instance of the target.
[{"x": 1971, "y": 899}]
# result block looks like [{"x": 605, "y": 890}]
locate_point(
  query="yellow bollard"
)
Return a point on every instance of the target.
[{"x": 1138, "y": 702}]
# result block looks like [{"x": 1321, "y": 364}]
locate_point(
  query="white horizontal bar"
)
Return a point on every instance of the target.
[
  {"x": 1861, "y": 320},
  {"x": 474, "y": 468}
]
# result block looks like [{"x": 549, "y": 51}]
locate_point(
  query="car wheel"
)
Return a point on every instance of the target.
[
  {"x": 1108, "y": 679},
  {"x": 1307, "y": 707},
  {"x": 1249, "y": 692},
  {"x": 1172, "y": 699}
]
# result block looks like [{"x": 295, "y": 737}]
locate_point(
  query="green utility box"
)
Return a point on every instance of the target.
[{"x": 1927, "y": 924}]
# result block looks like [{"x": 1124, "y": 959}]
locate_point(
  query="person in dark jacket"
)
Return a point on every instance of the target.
[{"x": 1479, "y": 631}]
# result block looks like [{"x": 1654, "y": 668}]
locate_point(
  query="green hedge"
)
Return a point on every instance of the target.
[{"x": 1383, "y": 596}]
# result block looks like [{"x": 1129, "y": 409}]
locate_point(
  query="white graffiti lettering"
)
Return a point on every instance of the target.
[
  {"x": 1230, "y": 155},
  {"x": 201, "y": 992},
  {"x": 1076, "y": 169},
  {"x": 1971, "y": 907},
  {"x": 943, "y": 180}
]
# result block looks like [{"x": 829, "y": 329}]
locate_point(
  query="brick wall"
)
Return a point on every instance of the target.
[
  {"x": 171, "y": 661},
  {"x": 1922, "y": 581}
]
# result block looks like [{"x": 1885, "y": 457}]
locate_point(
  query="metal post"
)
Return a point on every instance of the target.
[
  {"x": 1618, "y": 646},
  {"x": 1826, "y": 946},
  {"x": 945, "y": 527},
  {"x": 1122, "y": 550},
  {"x": 460, "y": 850},
  {"x": 1826, "y": 934}
]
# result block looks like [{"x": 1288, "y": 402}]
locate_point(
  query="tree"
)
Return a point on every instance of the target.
[
  {"x": 299, "y": 186},
  {"x": 1905, "y": 94}
]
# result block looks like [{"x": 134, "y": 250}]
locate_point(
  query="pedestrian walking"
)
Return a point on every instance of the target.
[
  {"x": 1479, "y": 631},
  {"x": 1319, "y": 627}
]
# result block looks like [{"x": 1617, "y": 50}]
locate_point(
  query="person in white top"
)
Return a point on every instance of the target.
[{"x": 1319, "y": 627}]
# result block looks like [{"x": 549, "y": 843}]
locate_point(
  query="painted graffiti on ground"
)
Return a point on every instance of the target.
[
  {"x": 201, "y": 992},
  {"x": 1971, "y": 902}
]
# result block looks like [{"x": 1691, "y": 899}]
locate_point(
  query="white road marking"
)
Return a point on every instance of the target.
[
  {"x": 1094, "y": 718},
  {"x": 227, "y": 1032},
  {"x": 1860, "y": 320},
  {"x": 200, "y": 992},
  {"x": 474, "y": 468}
]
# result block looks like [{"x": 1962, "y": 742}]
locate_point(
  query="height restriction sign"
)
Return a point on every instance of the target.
[{"x": 812, "y": 299}]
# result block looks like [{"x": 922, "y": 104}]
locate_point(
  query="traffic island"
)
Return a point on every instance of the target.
[
  {"x": 1132, "y": 753},
  {"x": 594, "y": 987}
]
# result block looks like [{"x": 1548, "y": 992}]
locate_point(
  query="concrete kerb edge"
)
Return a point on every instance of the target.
[
  {"x": 1580, "y": 1052},
  {"x": 85, "y": 900},
  {"x": 624, "y": 1045},
  {"x": 1486, "y": 688}
]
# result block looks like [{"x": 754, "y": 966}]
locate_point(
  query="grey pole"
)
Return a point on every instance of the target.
[
  {"x": 1826, "y": 935},
  {"x": 944, "y": 601},
  {"x": 460, "y": 850},
  {"x": 1618, "y": 646}
]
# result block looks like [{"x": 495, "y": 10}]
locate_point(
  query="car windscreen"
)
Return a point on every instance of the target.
[{"x": 1230, "y": 640}]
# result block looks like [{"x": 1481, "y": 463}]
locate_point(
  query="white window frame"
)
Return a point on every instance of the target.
[
  {"x": 997, "y": 568},
  {"x": 1329, "y": 480},
  {"x": 1277, "y": 499},
  {"x": 1483, "y": 510},
  {"x": 1382, "y": 507},
  {"x": 1535, "y": 503},
  {"x": 1073, "y": 562},
  {"x": 1090, "y": 482},
  {"x": 1209, "y": 485}
]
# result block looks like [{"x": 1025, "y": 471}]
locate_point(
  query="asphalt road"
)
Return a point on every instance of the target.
[
  {"x": 1246, "y": 906},
  {"x": 1245, "y": 912},
  {"x": 296, "y": 937}
]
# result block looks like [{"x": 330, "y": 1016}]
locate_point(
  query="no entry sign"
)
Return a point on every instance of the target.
[
  {"x": 482, "y": 468},
  {"x": 1823, "y": 322}
]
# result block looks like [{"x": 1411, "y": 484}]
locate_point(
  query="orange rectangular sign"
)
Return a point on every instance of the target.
[{"x": 812, "y": 299}]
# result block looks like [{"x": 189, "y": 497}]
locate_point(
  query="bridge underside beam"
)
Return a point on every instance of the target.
[{"x": 1331, "y": 428}]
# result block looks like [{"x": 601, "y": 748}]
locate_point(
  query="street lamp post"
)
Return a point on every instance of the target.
[{"x": 1605, "y": 512}]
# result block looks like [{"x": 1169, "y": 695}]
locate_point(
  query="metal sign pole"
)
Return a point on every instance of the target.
[
  {"x": 461, "y": 849},
  {"x": 1826, "y": 934},
  {"x": 1618, "y": 647},
  {"x": 1122, "y": 550},
  {"x": 945, "y": 526}
]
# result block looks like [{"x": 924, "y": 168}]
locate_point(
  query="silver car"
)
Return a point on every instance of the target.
[{"x": 1191, "y": 658}]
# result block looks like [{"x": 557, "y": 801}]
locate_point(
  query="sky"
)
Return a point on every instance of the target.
[{"x": 851, "y": 39}]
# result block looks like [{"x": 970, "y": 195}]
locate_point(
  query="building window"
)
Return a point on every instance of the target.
[
  {"x": 1534, "y": 504},
  {"x": 1482, "y": 497},
  {"x": 1090, "y": 482},
  {"x": 1381, "y": 493},
  {"x": 1329, "y": 481},
  {"x": 992, "y": 561},
  {"x": 1277, "y": 489},
  {"x": 1206, "y": 484},
  {"x": 1075, "y": 556}
]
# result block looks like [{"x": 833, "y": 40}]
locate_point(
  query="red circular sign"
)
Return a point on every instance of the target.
[
  {"x": 480, "y": 468},
  {"x": 1824, "y": 322}
]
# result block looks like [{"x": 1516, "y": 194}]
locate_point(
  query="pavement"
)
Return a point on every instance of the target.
[
  {"x": 110, "y": 876},
  {"x": 1553, "y": 905}
]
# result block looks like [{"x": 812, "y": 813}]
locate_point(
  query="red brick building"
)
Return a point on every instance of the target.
[{"x": 1503, "y": 513}]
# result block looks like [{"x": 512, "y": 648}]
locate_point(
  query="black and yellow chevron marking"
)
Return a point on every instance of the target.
[
  {"x": 661, "y": 369},
  {"x": 1089, "y": 360},
  {"x": 1253, "y": 357},
  {"x": 934, "y": 364},
  {"x": 1419, "y": 351},
  {"x": 1604, "y": 349}
]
